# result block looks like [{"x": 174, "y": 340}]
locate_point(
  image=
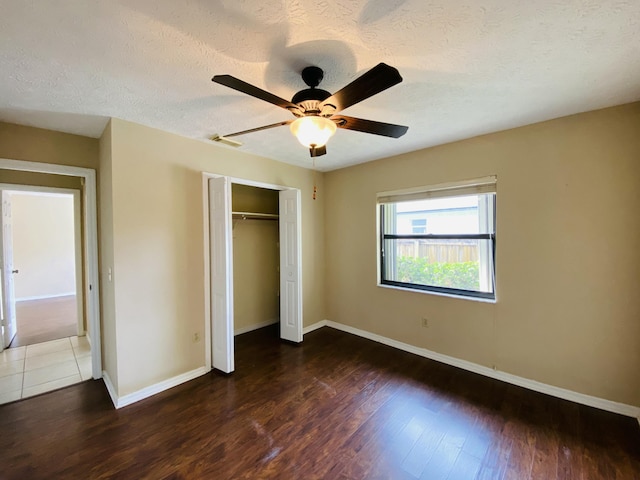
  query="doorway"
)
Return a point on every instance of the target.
[
  {"x": 43, "y": 307},
  {"x": 46, "y": 248},
  {"x": 89, "y": 245},
  {"x": 219, "y": 269}
]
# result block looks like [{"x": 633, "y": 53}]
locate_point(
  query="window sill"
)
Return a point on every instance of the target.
[{"x": 439, "y": 294}]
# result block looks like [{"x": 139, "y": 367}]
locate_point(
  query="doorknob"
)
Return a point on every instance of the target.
[{"x": 14, "y": 271}]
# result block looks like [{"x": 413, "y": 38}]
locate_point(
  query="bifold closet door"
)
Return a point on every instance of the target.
[
  {"x": 221, "y": 258},
  {"x": 290, "y": 266}
]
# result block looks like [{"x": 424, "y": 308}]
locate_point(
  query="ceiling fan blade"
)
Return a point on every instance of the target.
[
  {"x": 244, "y": 87},
  {"x": 257, "y": 129},
  {"x": 379, "y": 78},
  {"x": 370, "y": 126}
]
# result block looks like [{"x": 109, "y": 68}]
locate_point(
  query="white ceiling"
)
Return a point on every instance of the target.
[{"x": 469, "y": 67}]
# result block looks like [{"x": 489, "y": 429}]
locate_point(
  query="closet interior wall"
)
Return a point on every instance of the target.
[{"x": 256, "y": 258}]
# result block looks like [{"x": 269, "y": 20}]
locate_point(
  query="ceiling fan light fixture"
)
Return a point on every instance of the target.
[{"x": 313, "y": 130}]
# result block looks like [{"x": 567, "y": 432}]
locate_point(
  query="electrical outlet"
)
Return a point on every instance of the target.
[
  {"x": 196, "y": 337},
  {"x": 425, "y": 322}
]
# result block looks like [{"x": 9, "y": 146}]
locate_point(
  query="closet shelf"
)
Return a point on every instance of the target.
[{"x": 255, "y": 216}]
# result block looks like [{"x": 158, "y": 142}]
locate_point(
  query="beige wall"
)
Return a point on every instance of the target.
[
  {"x": 158, "y": 250},
  {"x": 105, "y": 232},
  {"x": 256, "y": 280},
  {"x": 16, "y": 177},
  {"x": 568, "y": 266},
  {"x": 43, "y": 245},
  {"x": 246, "y": 198},
  {"x": 568, "y": 256},
  {"x": 31, "y": 144}
]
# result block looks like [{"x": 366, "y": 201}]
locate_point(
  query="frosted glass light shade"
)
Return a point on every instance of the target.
[{"x": 313, "y": 130}]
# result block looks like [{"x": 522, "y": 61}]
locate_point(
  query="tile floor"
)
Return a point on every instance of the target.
[{"x": 42, "y": 367}]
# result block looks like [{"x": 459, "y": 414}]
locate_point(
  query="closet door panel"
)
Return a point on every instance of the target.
[
  {"x": 290, "y": 266},
  {"x": 221, "y": 258}
]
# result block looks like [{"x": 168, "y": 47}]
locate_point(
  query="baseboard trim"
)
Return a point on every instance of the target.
[
  {"x": 110, "y": 388},
  {"x": 596, "y": 402},
  {"x": 44, "y": 297},
  {"x": 151, "y": 390},
  {"x": 255, "y": 326},
  {"x": 315, "y": 326}
]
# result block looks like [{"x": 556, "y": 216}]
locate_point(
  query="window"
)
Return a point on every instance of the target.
[
  {"x": 419, "y": 225},
  {"x": 440, "y": 238}
]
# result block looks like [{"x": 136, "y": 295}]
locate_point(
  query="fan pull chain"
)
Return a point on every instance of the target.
[{"x": 315, "y": 189}]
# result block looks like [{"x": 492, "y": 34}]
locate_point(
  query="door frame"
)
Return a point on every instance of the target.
[
  {"x": 90, "y": 244},
  {"x": 77, "y": 238},
  {"x": 209, "y": 317}
]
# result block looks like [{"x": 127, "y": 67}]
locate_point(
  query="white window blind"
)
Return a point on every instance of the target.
[{"x": 467, "y": 187}]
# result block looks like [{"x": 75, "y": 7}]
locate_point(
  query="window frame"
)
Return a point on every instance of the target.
[{"x": 456, "y": 292}]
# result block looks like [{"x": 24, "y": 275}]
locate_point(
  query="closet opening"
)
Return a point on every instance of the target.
[
  {"x": 253, "y": 268},
  {"x": 256, "y": 258}
]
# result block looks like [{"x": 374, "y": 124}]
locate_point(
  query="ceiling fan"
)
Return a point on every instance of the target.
[{"x": 317, "y": 110}]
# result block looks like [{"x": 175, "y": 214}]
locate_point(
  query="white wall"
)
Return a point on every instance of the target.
[{"x": 43, "y": 245}]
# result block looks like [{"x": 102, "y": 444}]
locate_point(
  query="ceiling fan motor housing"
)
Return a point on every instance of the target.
[{"x": 309, "y": 100}]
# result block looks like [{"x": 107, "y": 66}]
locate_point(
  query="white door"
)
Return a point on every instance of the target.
[
  {"x": 290, "y": 266},
  {"x": 9, "y": 327},
  {"x": 221, "y": 257}
]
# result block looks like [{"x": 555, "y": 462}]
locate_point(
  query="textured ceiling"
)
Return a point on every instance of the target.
[{"x": 469, "y": 67}]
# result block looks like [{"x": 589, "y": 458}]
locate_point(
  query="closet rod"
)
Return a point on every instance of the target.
[{"x": 255, "y": 216}]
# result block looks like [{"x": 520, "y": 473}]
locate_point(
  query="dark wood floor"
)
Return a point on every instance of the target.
[
  {"x": 45, "y": 319},
  {"x": 338, "y": 407}
]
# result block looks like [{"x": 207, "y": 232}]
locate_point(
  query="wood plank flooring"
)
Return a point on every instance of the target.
[
  {"x": 44, "y": 320},
  {"x": 337, "y": 407}
]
